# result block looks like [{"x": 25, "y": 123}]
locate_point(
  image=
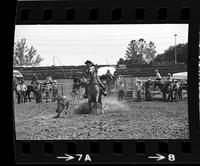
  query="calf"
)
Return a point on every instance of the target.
[{"x": 62, "y": 104}]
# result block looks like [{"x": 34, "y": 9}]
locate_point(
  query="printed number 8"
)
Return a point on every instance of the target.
[{"x": 171, "y": 157}]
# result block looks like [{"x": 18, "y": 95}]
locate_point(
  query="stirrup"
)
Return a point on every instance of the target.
[
  {"x": 105, "y": 93},
  {"x": 85, "y": 96}
]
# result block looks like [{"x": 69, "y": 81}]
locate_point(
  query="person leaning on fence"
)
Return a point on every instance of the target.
[{"x": 139, "y": 89}]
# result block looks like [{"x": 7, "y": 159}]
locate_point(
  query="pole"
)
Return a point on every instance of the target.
[{"x": 175, "y": 50}]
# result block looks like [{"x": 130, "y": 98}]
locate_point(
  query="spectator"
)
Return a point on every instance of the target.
[
  {"x": 147, "y": 89},
  {"x": 54, "y": 89},
  {"x": 139, "y": 89},
  {"x": 121, "y": 89}
]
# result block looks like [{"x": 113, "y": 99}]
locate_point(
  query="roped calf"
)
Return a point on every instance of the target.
[{"x": 62, "y": 104}]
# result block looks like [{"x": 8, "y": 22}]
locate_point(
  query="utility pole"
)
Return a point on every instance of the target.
[{"x": 175, "y": 50}]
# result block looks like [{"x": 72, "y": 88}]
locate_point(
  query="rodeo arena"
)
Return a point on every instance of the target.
[{"x": 100, "y": 102}]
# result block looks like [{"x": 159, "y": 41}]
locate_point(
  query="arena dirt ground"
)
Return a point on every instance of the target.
[{"x": 121, "y": 120}]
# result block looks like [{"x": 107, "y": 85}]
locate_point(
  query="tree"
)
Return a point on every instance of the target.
[
  {"x": 121, "y": 61},
  {"x": 168, "y": 57},
  {"x": 139, "y": 52},
  {"x": 25, "y": 56}
]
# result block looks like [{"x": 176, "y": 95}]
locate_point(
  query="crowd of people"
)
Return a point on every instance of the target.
[
  {"x": 143, "y": 88},
  {"x": 140, "y": 87},
  {"x": 21, "y": 89}
]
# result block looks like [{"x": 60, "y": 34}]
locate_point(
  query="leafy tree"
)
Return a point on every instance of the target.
[
  {"x": 168, "y": 57},
  {"x": 139, "y": 52},
  {"x": 121, "y": 61},
  {"x": 24, "y": 55}
]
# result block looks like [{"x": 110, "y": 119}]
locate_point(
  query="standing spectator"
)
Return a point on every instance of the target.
[
  {"x": 139, "y": 89},
  {"x": 54, "y": 89},
  {"x": 120, "y": 89},
  {"x": 24, "y": 89},
  {"x": 19, "y": 92},
  {"x": 147, "y": 90}
]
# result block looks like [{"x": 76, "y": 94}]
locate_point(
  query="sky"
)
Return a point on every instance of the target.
[{"x": 102, "y": 44}]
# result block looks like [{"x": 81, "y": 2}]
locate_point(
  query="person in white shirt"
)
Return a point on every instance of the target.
[
  {"x": 158, "y": 76},
  {"x": 169, "y": 77},
  {"x": 21, "y": 92}
]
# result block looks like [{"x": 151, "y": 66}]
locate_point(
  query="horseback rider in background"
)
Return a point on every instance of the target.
[
  {"x": 34, "y": 79},
  {"x": 49, "y": 79},
  {"x": 158, "y": 76},
  {"x": 90, "y": 66},
  {"x": 169, "y": 77}
]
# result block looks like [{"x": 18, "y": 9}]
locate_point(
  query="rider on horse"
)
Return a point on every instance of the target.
[
  {"x": 34, "y": 79},
  {"x": 158, "y": 76},
  {"x": 90, "y": 66},
  {"x": 109, "y": 75}
]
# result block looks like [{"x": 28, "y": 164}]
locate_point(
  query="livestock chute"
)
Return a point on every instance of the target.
[
  {"x": 180, "y": 76},
  {"x": 103, "y": 70}
]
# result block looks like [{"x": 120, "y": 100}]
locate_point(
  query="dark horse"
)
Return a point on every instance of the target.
[
  {"x": 165, "y": 88},
  {"x": 36, "y": 91},
  {"x": 94, "y": 92}
]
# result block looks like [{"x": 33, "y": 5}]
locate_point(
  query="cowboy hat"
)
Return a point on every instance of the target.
[{"x": 86, "y": 62}]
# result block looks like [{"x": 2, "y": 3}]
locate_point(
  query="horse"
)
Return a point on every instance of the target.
[
  {"x": 30, "y": 88},
  {"x": 110, "y": 82},
  {"x": 164, "y": 88},
  {"x": 94, "y": 93}
]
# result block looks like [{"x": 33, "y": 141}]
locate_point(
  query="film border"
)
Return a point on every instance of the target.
[{"x": 119, "y": 12}]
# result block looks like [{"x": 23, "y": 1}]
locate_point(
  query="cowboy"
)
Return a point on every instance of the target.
[
  {"x": 90, "y": 66},
  {"x": 109, "y": 75},
  {"x": 49, "y": 79},
  {"x": 34, "y": 79},
  {"x": 158, "y": 76},
  {"x": 169, "y": 77}
]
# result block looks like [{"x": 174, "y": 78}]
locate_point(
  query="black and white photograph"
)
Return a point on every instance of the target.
[{"x": 100, "y": 82}]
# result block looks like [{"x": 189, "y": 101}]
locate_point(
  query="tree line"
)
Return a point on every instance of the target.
[
  {"x": 137, "y": 52},
  {"x": 141, "y": 52}
]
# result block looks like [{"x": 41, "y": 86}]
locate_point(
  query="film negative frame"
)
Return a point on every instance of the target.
[{"x": 117, "y": 12}]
